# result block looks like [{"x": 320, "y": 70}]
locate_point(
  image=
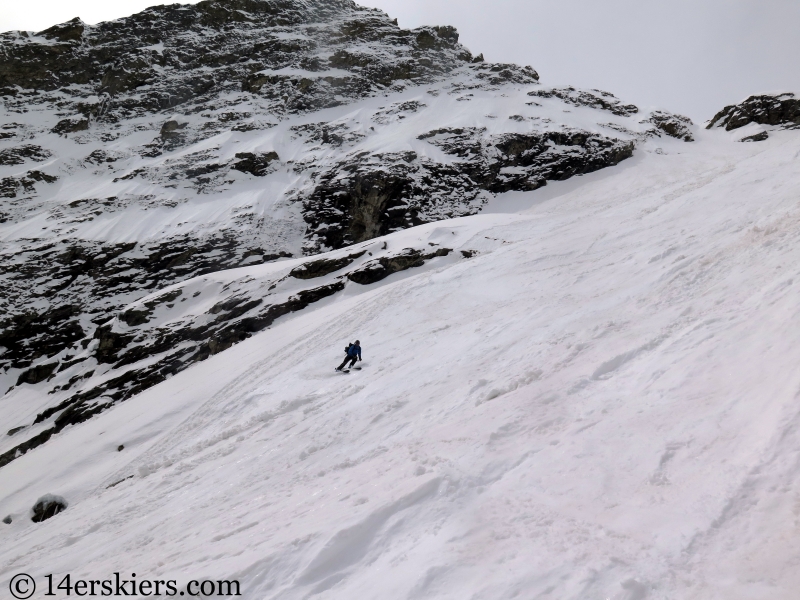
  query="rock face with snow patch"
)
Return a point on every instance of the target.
[
  {"x": 147, "y": 153},
  {"x": 380, "y": 193},
  {"x": 298, "y": 55}
]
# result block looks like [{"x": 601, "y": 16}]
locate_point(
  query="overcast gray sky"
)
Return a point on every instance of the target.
[{"x": 689, "y": 56}]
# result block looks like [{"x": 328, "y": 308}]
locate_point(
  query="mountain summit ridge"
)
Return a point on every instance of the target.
[{"x": 161, "y": 57}]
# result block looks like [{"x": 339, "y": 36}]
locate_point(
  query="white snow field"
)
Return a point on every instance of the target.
[{"x": 603, "y": 403}]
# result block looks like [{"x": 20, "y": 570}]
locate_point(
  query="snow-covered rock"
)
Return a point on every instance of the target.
[{"x": 47, "y": 507}]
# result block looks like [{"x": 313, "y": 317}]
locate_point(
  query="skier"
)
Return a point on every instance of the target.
[{"x": 353, "y": 354}]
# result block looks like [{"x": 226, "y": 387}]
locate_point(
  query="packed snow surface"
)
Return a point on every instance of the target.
[{"x": 603, "y": 402}]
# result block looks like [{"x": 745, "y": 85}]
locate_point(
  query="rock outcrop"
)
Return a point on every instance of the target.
[
  {"x": 380, "y": 193},
  {"x": 774, "y": 110},
  {"x": 46, "y": 507}
]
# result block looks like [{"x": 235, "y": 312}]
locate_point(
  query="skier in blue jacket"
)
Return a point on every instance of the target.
[{"x": 353, "y": 354}]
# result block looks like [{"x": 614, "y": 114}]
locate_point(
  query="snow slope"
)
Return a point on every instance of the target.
[
  {"x": 186, "y": 140},
  {"x": 105, "y": 236},
  {"x": 602, "y": 403}
]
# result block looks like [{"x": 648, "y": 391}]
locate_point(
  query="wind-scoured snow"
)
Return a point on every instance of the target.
[{"x": 601, "y": 402}]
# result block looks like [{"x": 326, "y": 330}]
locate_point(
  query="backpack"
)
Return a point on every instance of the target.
[{"x": 347, "y": 350}]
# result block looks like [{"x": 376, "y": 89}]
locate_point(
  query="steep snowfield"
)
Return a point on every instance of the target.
[
  {"x": 107, "y": 234},
  {"x": 602, "y": 403}
]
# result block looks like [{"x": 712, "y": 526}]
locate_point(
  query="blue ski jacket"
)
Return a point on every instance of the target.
[{"x": 354, "y": 350}]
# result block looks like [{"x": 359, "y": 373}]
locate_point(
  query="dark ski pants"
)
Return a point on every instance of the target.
[{"x": 352, "y": 360}]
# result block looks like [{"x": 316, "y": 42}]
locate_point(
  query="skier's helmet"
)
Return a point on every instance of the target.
[{"x": 358, "y": 343}]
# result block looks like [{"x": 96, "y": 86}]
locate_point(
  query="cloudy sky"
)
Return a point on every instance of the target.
[{"x": 689, "y": 56}]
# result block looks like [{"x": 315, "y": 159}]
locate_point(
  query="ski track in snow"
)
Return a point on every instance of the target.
[{"x": 602, "y": 403}]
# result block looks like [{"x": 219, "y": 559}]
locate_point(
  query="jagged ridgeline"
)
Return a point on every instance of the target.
[{"x": 140, "y": 156}]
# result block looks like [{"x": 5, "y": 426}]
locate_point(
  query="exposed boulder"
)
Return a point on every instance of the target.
[
  {"x": 172, "y": 127},
  {"x": 325, "y": 266},
  {"x": 172, "y": 135},
  {"x": 593, "y": 98},
  {"x": 255, "y": 163},
  {"x": 47, "y": 507},
  {"x": 71, "y": 125},
  {"x": 380, "y": 268},
  {"x": 758, "y": 137},
  {"x": 676, "y": 126},
  {"x": 769, "y": 109}
]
